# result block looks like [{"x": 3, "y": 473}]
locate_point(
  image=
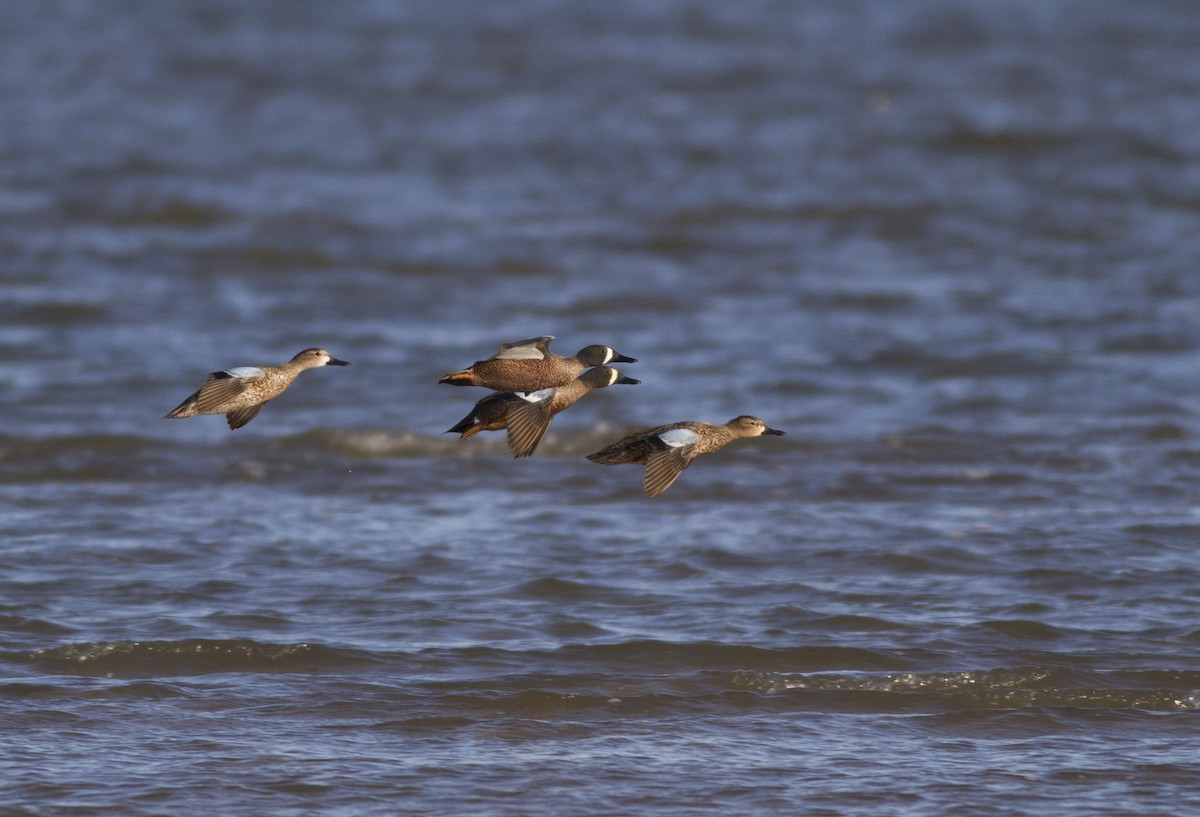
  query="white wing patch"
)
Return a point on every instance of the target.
[
  {"x": 539, "y": 396},
  {"x": 679, "y": 437},
  {"x": 245, "y": 372}
]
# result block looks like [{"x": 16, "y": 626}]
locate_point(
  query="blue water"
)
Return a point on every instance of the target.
[{"x": 949, "y": 247}]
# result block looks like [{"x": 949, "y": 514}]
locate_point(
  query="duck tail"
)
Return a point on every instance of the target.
[
  {"x": 463, "y": 378},
  {"x": 467, "y": 427},
  {"x": 605, "y": 457},
  {"x": 185, "y": 409}
]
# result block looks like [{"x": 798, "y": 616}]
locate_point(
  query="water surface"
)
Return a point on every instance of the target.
[{"x": 949, "y": 247}]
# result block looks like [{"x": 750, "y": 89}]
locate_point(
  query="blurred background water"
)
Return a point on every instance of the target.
[{"x": 949, "y": 246}]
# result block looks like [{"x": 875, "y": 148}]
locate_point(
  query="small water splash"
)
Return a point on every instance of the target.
[
  {"x": 132, "y": 659},
  {"x": 981, "y": 689}
]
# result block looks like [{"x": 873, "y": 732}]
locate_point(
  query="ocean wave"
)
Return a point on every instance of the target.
[
  {"x": 369, "y": 444},
  {"x": 645, "y": 677},
  {"x": 197, "y": 656},
  {"x": 125, "y": 456},
  {"x": 71, "y": 457},
  {"x": 1023, "y": 687}
]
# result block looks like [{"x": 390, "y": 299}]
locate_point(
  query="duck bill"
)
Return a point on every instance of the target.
[
  {"x": 333, "y": 361},
  {"x": 774, "y": 432},
  {"x": 628, "y": 380},
  {"x": 619, "y": 358}
]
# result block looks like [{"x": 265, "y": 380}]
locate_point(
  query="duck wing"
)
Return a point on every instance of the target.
[
  {"x": 674, "y": 451},
  {"x": 527, "y": 349},
  {"x": 239, "y": 417},
  {"x": 528, "y": 418},
  {"x": 221, "y": 387}
]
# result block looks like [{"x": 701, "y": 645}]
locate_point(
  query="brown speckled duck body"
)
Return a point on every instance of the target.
[
  {"x": 528, "y": 365},
  {"x": 241, "y": 393},
  {"x": 667, "y": 450},
  {"x": 527, "y": 416}
]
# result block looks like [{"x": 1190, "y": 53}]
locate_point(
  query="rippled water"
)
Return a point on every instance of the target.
[{"x": 949, "y": 247}]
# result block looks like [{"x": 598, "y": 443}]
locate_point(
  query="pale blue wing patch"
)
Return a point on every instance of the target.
[
  {"x": 528, "y": 349},
  {"x": 679, "y": 437},
  {"x": 245, "y": 372}
]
